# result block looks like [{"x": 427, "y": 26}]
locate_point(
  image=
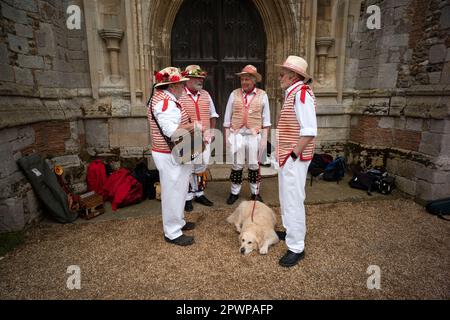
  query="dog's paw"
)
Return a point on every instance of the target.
[{"x": 263, "y": 250}]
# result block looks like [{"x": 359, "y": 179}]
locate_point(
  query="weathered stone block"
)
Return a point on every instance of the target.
[
  {"x": 334, "y": 134},
  {"x": 427, "y": 191},
  {"x": 7, "y": 164},
  {"x": 3, "y": 53},
  {"x": 431, "y": 143},
  {"x": 97, "y": 133},
  {"x": 414, "y": 124},
  {"x": 13, "y": 14},
  {"x": 387, "y": 75},
  {"x": 397, "y": 40},
  {"x": 408, "y": 186},
  {"x": 72, "y": 146},
  {"x": 7, "y": 185},
  {"x": 70, "y": 161},
  {"x": 129, "y": 132},
  {"x": 48, "y": 78},
  {"x": 386, "y": 123},
  {"x": 27, "y": 5},
  {"x": 131, "y": 152},
  {"x": 445, "y": 74},
  {"x": 11, "y": 215},
  {"x": 400, "y": 123},
  {"x": 32, "y": 62},
  {"x": 45, "y": 40},
  {"x": 6, "y": 72},
  {"x": 25, "y": 137},
  {"x": 24, "y": 31},
  {"x": 433, "y": 175},
  {"x": 435, "y": 77},
  {"x": 440, "y": 126},
  {"x": 18, "y": 44},
  {"x": 78, "y": 55},
  {"x": 407, "y": 169},
  {"x": 23, "y": 76},
  {"x": 445, "y": 17},
  {"x": 438, "y": 53},
  {"x": 329, "y": 121}
]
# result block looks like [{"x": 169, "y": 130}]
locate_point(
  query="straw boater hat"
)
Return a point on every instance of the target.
[
  {"x": 251, "y": 70},
  {"x": 296, "y": 64},
  {"x": 167, "y": 76},
  {"x": 194, "y": 71}
]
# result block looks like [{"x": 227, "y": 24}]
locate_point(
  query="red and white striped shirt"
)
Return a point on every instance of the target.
[
  {"x": 297, "y": 118},
  {"x": 169, "y": 114},
  {"x": 199, "y": 106}
]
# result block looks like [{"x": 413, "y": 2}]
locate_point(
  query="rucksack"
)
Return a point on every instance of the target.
[
  {"x": 147, "y": 178},
  {"x": 364, "y": 181},
  {"x": 373, "y": 180},
  {"x": 335, "y": 171},
  {"x": 386, "y": 184},
  {"x": 318, "y": 164},
  {"x": 439, "y": 208}
]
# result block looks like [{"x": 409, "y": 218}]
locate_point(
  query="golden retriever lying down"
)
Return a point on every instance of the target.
[{"x": 258, "y": 234}]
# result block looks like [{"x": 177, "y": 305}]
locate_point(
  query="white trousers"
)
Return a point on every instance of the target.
[
  {"x": 174, "y": 180},
  {"x": 245, "y": 150},
  {"x": 200, "y": 165},
  {"x": 291, "y": 180}
]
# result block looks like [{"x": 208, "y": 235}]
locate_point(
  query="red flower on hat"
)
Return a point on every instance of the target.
[
  {"x": 159, "y": 76},
  {"x": 175, "y": 79}
]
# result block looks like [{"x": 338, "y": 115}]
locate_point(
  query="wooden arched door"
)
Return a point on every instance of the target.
[{"x": 222, "y": 36}]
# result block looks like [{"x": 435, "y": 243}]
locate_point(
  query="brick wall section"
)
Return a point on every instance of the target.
[
  {"x": 368, "y": 132},
  {"x": 50, "y": 139}
]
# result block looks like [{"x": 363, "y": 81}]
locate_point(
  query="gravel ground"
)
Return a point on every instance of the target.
[{"x": 130, "y": 260}]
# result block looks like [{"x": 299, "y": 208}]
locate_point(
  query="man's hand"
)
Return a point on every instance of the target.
[{"x": 262, "y": 147}]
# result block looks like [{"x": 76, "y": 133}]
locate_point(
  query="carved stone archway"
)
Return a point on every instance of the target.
[{"x": 282, "y": 32}]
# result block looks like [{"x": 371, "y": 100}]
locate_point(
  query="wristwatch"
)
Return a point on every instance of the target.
[{"x": 294, "y": 156}]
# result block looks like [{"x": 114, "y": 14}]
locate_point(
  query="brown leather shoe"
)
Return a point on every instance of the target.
[{"x": 181, "y": 240}]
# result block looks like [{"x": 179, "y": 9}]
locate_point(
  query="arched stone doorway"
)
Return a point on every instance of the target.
[
  {"x": 282, "y": 31},
  {"x": 222, "y": 36}
]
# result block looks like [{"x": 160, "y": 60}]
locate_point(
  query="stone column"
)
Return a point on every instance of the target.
[
  {"x": 112, "y": 38},
  {"x": 323, "y": 45}
]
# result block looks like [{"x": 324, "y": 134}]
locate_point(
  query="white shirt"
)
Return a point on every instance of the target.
[
  {"x": 212, "y": 108},
  {"x": 169, "y": 119},
  {"x": 306, "y": 113},
  {"x": 250, "y": 96}
]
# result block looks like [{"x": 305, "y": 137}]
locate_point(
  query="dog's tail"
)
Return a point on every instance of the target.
[{"x": 233, "y": 218}]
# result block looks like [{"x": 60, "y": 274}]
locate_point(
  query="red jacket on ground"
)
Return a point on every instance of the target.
[{"x": 122, "y": 189}]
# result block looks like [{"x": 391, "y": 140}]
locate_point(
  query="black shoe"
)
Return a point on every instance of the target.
[
  {"x": 188, "y": 226},
  {"x": 188, "y": 206},
  {"x": 256, "y": 197},
  {"x": 204, "y": 201},
  {"x": 281, "y": 235},
  {"x": 181, "y": 240},
  {"x": 290, "y": 259},
  {"x": 232, "y": 198}
]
